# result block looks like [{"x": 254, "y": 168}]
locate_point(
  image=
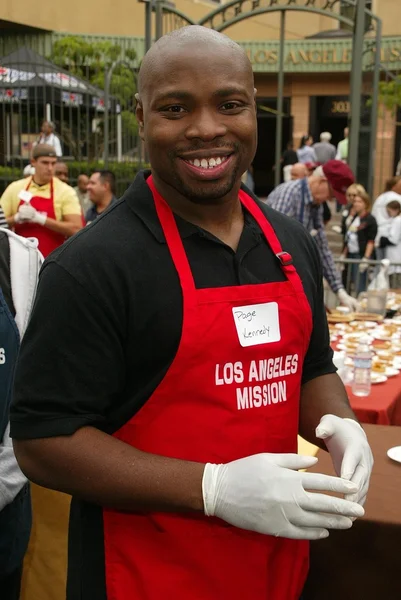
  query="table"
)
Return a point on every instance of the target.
[
  {"x": 363, "y": 563},
  {"x": 382, "y": 406}
]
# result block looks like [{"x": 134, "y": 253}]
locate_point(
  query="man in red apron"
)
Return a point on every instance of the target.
[
  {"x": 42, "y": 206},
  {"x": 195, "y": 350}
]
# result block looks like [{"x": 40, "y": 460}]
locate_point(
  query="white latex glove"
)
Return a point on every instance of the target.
[
  {"x": 347, "y": 300},
  {"x": 262, "y": 493},
  {"x": 350, "y": 452},
  {"x": 363, "y": 265},
  {"x": 31, "y": 215},
  {"x": 25, "y": 213}
]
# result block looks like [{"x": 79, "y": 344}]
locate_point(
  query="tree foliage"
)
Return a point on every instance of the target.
[
  {"x": 390, "y": 93},
  {"x": 91, "y": 61}
]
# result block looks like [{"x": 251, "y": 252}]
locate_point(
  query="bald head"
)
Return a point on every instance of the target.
[
  {"x": 298, "y": 171},
  {"x": 191, "y": 42},
  {"x": 197, "y": 114}
]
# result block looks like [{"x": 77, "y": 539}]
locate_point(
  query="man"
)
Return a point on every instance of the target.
[
  {"x": 101, "y": 192},
  {"x": 303, "y": 199},
  {"x": 177, "y": 448},
  {"x": 81, "y": 191},
  {"x": 19, "y": 268},
  {"x": 298, "y": 171},
  {"x": 324, "y": 150},
  {"x": 342, "y": 148},
  {"x": 47, "y": 136},
  {"x": 61, "y": 171},
  {"x": 42, "y": 206}
]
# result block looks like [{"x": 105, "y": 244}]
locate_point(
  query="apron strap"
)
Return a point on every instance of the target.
[{"x": 173, "y": 238}]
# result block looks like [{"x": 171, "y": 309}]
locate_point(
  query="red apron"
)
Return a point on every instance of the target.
[
  {"x": 218, "y": 402},
  {"x": 48, "y": 240}
]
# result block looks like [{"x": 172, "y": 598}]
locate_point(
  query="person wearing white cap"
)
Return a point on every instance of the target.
[
  {"x": 28, "y": 171},
  {"x": 47, "y": 136}
]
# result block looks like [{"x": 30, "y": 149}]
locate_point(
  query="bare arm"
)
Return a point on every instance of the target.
[
  {"x": 103, "y": 470},
  {"x": 68, "y": 226},
  {"x": 369, "y": 249},
  {"x": 321, "y": 396}
]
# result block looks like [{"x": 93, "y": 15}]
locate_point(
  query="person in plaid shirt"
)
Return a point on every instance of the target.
[{"x": 302, "y": 199}]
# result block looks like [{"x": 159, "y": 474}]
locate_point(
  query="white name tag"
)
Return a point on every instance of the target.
[
  {"x": 25, "y": 196},
  {"x": 257, "y": 324}
]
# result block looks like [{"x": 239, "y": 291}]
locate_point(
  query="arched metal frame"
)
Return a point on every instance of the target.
[{"x": 236, "y": 11}]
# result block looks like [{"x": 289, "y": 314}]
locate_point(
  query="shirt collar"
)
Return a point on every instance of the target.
[{"x": 140, "y": 200}]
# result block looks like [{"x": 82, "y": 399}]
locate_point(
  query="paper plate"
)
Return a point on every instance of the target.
[
  {"x": 395, "y": 453},
  {"x": 378, "y": 378},
  {"x": 391, "y": 372}
]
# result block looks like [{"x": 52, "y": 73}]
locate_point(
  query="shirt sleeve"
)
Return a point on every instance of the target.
[
  {"x": 394, "y": 235},
  {"x": 71, "y": 364},
  {"x": 281, "y": 200},
  {"x": 9, "y": 201},
  {"x": 69, "y": 203},
  {"x": 3, "y": 222},
  {"x": 371, "y": 232},
  {"x": 330, "y": 272}
]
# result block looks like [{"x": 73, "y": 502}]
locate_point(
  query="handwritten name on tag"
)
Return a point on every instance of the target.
[
  {"x": 257, "y": 324},
  {"x": 25, "y": 196}
]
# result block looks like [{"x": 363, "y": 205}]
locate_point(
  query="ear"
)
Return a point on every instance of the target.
[{"x": 140, "y": 117}]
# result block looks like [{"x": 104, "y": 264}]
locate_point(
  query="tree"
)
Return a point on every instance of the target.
[
  {"x": 91, "y": 61},
  {"x": 390, "y": 93}
]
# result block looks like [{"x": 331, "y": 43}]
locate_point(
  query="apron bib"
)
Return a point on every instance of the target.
[
  {"x": 48, "y": 240},
  {"x": 15, "y": 518},
  {"x": 223, "y": 398}
]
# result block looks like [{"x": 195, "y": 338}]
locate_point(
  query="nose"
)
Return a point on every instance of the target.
[{"x": 206, "y": 124}]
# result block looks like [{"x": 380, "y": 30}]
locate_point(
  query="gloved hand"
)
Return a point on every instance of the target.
[
  {"x": 347, "y": 300},
  {"x": 24, "y": 214},
  {"x": 262, "y": 493},
  {"x": 364, "y": 265},
  {"x": 28, "y": 214},
  {"x": 350, "y": 452}
]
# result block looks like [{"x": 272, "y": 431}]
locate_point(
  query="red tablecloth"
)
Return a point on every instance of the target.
[{"x": 382, "y": 406}]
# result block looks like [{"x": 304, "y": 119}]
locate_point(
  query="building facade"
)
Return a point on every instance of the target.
[{"x": 317, "y": 62}]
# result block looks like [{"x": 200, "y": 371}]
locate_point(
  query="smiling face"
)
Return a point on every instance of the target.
[{"x": 197, "y": 116}]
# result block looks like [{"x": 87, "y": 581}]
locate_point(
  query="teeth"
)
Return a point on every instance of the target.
[{"x": 208, "y": 163}]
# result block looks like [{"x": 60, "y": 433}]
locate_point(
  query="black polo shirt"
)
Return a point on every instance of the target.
[{"x": 106, "y": 326}]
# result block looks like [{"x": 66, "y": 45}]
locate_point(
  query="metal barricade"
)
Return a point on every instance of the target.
[{"x": 356, "y": 282}]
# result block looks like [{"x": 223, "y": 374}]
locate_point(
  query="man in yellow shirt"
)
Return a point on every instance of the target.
[{"x": 42, "y": 206}]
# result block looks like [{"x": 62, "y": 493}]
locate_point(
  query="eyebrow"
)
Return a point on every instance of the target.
[{"x": 183, "y": 95}]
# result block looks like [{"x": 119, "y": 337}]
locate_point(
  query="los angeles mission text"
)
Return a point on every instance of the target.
[{"x": 265, "y": 370}]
